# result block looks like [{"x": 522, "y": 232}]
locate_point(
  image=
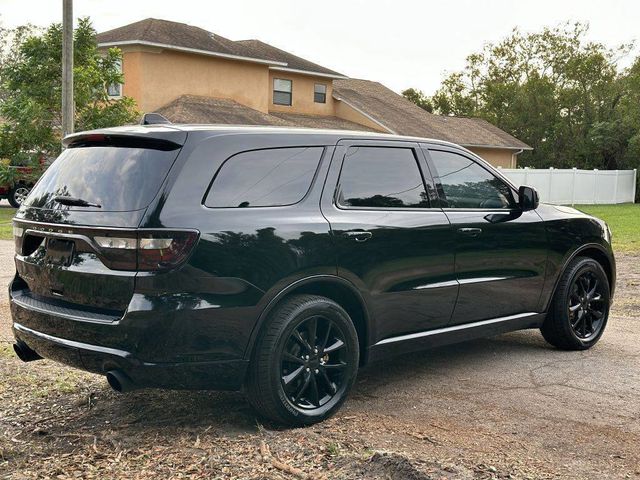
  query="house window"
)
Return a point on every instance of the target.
[
  {"x": 114, "y": 90},
  {"x": 281, "y": 91},
  {"x": 320, "y": 93}
]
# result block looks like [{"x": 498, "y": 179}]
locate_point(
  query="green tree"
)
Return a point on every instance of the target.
[
  {"x": 31, "y": 89},
  {"x": 560, "y": 93},
  {"x": 419, "y": 98}
]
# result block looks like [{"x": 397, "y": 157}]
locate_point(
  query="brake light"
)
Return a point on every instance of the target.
[
  {"x": 148, "y": 251},
  {"x": 164, "y": 250}
]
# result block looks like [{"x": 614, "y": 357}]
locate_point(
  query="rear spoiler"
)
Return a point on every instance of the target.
[{"x": 163, "y": 137}]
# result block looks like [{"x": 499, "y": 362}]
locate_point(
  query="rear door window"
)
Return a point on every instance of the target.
[
  {"x": 265, "y": 178},
  {"x": 381, "y": 177},
  {"x": 114, "y": 177}
]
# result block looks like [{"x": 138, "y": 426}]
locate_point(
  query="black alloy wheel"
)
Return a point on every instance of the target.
[
  {"x": 305, "y": 361},
  {"x": 313, "y": 362},
  {"x": 579, "y": 310},
  {"x": 586, "y": 305}
]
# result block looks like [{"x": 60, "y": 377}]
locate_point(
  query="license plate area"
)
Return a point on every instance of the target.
[{"x": 60, "y": 252}]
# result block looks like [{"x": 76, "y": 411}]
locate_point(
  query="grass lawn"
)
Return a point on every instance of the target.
[
  {"x": 6, "y": 229},
  {"x": 623, "y": 220}
]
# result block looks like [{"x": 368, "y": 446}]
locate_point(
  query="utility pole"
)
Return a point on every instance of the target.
[{"x": 68, "y": 109}]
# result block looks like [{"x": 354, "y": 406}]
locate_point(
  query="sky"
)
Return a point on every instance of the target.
[{"x": 399, "y": 43}]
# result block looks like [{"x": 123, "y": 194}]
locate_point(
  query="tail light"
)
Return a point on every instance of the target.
[{"x": 148, "y": 251}]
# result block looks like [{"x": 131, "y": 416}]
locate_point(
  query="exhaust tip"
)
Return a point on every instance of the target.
[
  {"x": 119, "y": 381},
  {"x": 24, "y": 353}
]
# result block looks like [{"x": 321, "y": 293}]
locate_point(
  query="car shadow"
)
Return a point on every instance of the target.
[{"x": 229, "y": 414}]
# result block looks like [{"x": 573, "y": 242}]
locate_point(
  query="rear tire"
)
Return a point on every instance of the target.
[
  {"x": 580, "y": 307},
  {"x": 305, "y": 361}
]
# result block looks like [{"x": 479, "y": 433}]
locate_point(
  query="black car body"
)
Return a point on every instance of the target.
[{"x": 190, "y": 237}]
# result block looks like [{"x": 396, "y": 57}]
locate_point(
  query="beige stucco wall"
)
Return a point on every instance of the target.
[
  {"x": 302, "y": 94},
  {"x": 342, "y": 110},
  {"x": 498, "y": 157},
  {"x": 155, "y": 77}
]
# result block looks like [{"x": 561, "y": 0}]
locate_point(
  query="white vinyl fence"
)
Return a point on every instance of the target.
[{"x": 573, "y": 186}]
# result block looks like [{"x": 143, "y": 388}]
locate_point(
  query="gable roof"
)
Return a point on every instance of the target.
[
  {"x": 180, "y": 36},
  {"x": 398, "y": 115}
]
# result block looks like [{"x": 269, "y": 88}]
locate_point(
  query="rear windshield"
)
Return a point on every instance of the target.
[{"x": 117, "y": 178}]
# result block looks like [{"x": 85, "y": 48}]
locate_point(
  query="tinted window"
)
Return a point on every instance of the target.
[
  {"x": 468, "y": 185},
  {"x": 117, "y": 178},
  {"x": 381, "y": 177},
  {"x": 264, "y": 178},
  {"x": 282, "y": 90}
]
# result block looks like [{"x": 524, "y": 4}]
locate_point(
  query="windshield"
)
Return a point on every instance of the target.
[{"x": 116, "y": 178}]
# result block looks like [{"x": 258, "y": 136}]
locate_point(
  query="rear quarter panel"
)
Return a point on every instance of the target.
[{"x": 244, "y": 258}]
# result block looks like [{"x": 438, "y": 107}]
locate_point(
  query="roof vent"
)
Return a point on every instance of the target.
[
  {"x": 212, "y": 35},
  {"x": 153, "y": 119}
]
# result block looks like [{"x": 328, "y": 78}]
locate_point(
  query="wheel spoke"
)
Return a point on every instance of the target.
[
  {"x": 315, "y": 397},
  {"x": 579, "y": 318},
  {"x": 288, "y": 357},
  {"x": 325, "y": 377},
  {"x": 298, "y": 338},
  {"x": 337, "y": 345},
  {"x": 325, "y": 339},
  {"x": 287, "y": 379},
  {"x": 592, "y": 292},
  {"x": 302, "y": 389},
  {"x": 597, "y": 314},
  {"x": 312, "y": 329},
  {"x": 335, "y": 366},
  {"x": 573, "y": 308}
]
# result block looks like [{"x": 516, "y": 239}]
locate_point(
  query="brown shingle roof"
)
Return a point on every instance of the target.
[
  {"x": 265, "y": 51},
  {"x": 152, "y": 30},
  {"x": 207, "y": 110},
  {"x": 401, "y": 116},
  {"x": 316, "y": 121},
  {"x": 196, "y": 109}
]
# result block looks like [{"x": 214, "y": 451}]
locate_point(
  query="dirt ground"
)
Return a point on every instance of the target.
[{"x": 505, "y": 407}]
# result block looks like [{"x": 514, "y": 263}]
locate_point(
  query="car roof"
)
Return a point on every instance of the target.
[{"x": 164, "y": 130}]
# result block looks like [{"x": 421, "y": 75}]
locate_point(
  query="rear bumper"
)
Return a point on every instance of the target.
[{"x": 215, "y": 375}]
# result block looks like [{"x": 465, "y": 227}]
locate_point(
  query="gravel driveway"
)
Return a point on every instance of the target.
[{"x": 505, "y": 407}]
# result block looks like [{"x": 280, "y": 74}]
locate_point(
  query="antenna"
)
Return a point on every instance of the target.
[{"x": 153, "y": 119}]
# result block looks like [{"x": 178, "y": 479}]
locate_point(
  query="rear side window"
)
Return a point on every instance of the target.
[
  {"x": 117, "y": 178},
  {"x": 265, "y": 178},
  {"x": 381, "y": 177}
]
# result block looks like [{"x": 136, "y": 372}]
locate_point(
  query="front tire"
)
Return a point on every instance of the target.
[
  {"x": 580, "y": 307},
  {"x": 305, "y": 361}
]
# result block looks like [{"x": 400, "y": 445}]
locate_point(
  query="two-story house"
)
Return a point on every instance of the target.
[{"x": 191, "y": 75}]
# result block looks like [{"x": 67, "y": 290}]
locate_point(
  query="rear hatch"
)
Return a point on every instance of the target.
[{"x": 77, "y": 233}]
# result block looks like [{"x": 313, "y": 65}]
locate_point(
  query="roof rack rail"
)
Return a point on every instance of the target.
[{"x": 153, "y": 119}]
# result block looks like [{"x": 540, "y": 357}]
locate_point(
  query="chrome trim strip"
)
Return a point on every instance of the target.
[
  {"x": 428, "y": 333},
  {"x": 449, "y": 283},
  {"x": 465, "y": 281}
]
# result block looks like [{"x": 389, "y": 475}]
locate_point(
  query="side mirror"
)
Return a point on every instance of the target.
[{"x": 528, "y": 198}]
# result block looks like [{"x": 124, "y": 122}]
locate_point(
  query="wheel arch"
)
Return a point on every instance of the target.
[
  {"x": 341, "y": 291},
  {"x": 596, "y": 252}
]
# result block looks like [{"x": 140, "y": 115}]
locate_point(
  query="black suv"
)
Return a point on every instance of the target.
[{"x": 281, "y": 260}]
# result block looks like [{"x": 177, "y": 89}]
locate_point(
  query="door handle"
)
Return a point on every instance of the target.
[
  {"x": 471, "y": 232},
  {"x": 358, "y": 236}
]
